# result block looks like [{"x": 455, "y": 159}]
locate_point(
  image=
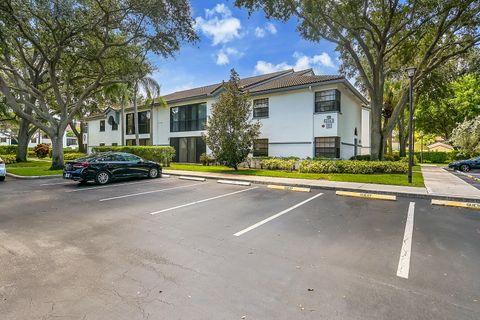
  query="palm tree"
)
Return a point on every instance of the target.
[
  {"x": 152, "y": 91},
  {"x": 120, "y": 93}
]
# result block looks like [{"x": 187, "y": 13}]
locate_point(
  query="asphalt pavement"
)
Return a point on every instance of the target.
[{"x": 179, "y": 249}]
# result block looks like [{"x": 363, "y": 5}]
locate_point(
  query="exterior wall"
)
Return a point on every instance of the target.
[
  {"x": 7, "y": 139},
  {"x": 290, "y": 128},
  {"x": 95, "y": 137},
  {"x": 350, "y": 120},
  {"x": 365, "y": 134}
]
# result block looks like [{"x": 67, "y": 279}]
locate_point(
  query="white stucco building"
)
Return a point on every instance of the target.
[{"x": 302, "y": 114}]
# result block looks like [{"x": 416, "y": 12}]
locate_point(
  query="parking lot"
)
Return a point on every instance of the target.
[{"x": 179, "y": 249}]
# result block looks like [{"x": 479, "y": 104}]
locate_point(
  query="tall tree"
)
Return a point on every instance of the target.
[
  {"x": 379, "y": 38},
  {"x": 151, "y": 88},
  {"x": 77, "y": 47},
  {"x": 230, "y": 130}
]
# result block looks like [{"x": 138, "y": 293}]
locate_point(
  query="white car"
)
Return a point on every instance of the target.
[{"x": 3, "y": 170}]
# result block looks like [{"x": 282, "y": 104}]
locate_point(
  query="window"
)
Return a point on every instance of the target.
[
  {"x": 102, "y": 144},
  {"x": 131, "y": 158},
  {"x": 3, "y": 139},
  {"x": 188, "y": 118},
  {"x": 114, "y": 144},
  {"x": 260, "y": 108},
  {"x": 327, "y": 101},
  {"x": 143, "y": 123},
  {"x": 129, "y": 127},
  {"x": 260, "y": 148},
  {"x": 71, "y": 141},
  {"x": 102, "y": 125},
  {"x": 143, "y": 142},
  {"x": 327, "y": 147},
  {"x": 33, "y": 140}
]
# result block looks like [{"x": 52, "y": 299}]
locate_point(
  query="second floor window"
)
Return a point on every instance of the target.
[
  {"x": 102, "y": 125},
  {"x": 188, "y": 118},
  {"x": 143, "y": 123},
  {"x": 260, "y": 108},
  {"x": 327, "y": 101}
]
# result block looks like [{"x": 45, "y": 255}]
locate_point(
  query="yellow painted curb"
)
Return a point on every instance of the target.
[
  {"x": 366, "y": 195},
  {"x": 277, "y": 187},
  {"x": 460, "y": 204}
]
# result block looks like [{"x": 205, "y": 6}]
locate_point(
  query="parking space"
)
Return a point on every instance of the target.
[{"x": 170, "y": 248}]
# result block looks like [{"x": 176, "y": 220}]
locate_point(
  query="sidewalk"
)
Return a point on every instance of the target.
[
  {"x": 439, "y": 181},
  {"x": 440, "y": 184}
]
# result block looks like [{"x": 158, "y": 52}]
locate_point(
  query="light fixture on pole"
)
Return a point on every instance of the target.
[{"x": 411, "y": 74}]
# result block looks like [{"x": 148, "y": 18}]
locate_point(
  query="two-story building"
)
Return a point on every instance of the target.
[{"x": 302, "y": 115}]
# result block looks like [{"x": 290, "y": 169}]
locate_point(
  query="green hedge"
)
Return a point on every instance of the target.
[
  {"x": 160, "y": 154},
  {"x": 8, "y": 158},
  {"x": 278, "y": 164},
  {"x": 10, "y": 149},
  {"x": 352, "y": 166},
  {"x": 73, "y": 155}
]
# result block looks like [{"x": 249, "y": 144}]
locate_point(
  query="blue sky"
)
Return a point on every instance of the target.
[{"x": 230, "y": 38}]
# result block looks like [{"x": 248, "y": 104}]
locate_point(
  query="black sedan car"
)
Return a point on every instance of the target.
[
  {"x": 465, "y": 165},
  {"x": 105, "y": 167}
]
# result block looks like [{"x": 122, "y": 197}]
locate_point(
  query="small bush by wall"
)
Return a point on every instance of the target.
[
  {"x": 8, "y": 158},
  {"x": 73, "y": 155},
  {"x": 161, "y": 154},
  {"x": 352, "y": 166},
  {"x": 278, "y": 164},
  {"x": 10, "y": 149}
]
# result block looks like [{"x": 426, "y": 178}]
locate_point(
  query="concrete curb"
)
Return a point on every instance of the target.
[
  {"x": 468, "y": 176},
  {"x": 306, "y": 185},
  {"x": 33, "y": 177}
]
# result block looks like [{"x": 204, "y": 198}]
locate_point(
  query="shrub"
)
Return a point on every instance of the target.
[
  {"x": 363, "y": 157},
  {"x": 41, "y": 150},
  {"x": 278, "y": 164},
  {"x": 160, "y": 154},
  {"x": 405, "y": 159},
  {"x": 10, "y": 149},
  {"x": 206, "y": 160},
  {"x": 352, "y": 166},
  {"x": 73, "y": 155},
  {"x": 65, "y": 151},
  {"x": 8, "y": 158}
]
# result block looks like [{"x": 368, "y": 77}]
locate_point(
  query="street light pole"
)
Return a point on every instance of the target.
[{"x": 411, "y": 74}]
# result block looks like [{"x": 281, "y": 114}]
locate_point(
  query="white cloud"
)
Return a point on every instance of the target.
[
  {"x": 219, "y": 24},
  {"x": 224, "y": 55},
  {"x": 271, "y": 28},
  {"x": 262, "y": 32},
  {"x": 259, "y": 32},
  {"x": 302, "y": 62}
]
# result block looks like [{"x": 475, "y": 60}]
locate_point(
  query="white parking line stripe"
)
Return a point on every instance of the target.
[
  {"x": 404, "y": 262},
  {"x": 258, "y": 224},
  {"x": 54, "y": 184},
  {"x": 204, "y": 200},
  {"x": 109, "y": 186},
  {"x": 148, "y": 192}
]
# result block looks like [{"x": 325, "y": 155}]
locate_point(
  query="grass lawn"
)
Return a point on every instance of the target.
[
  {"x": 32, "y": 168},
  {"x": 392, "y": 179}
]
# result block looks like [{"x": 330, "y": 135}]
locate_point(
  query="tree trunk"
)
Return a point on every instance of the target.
[
  {"x": 402, "y": 141},
  {"x": 122, "y": 124},
  {"x": 390, "y": 144},
  {"x": 22, "y": 140},
  {"x": 57, "y": 152},
  {"x": 79, "y": 135},
  {"x": 135, "y": 114},
  {"x": 376, "y": 135}
]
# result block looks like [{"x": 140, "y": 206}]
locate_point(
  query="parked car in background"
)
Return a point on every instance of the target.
[
  {"x": 465, "y": 165},
  {"x": 3, "y": 170},
  {"x": 105, "y": 167}
]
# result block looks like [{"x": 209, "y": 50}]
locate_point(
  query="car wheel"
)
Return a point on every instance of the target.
[
  {"x": 102, "y": 177},
  {"x": 153, "y": 173},
  {"x": 2, "y": 178},
  {"x": 465, "y": 167}
]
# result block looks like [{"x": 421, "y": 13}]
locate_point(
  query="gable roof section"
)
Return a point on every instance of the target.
[{"x": 205, "y": 91}]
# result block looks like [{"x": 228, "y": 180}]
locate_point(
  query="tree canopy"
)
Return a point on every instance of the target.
[
  {"x": 56, "y": 55},
  {"x": 378, "y": 39},
  {"x": 230, "y": 130}
]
